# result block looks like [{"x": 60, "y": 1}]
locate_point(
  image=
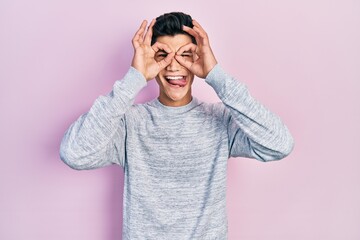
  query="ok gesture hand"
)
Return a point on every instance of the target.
[
  {"x": 144, "y": 53},
  {"x": 204, "y": 59}
]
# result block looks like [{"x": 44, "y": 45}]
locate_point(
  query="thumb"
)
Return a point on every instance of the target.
[
  {"x": 187, "y": 64},
  {"x": 166, "y": 61}
]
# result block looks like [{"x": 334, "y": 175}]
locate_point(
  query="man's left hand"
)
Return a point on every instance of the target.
[{"x": 204, "y": 60}]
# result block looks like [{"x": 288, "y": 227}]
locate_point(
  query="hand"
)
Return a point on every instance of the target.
[
  {"x": 144, "y": 53},
  {"x": 204, "y": 59}
]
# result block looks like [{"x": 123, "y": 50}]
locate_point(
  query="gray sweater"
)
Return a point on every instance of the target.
[{"x": 174, "y": 158}]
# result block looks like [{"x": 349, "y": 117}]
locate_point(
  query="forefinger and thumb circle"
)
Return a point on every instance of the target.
[
  {"x": 190, "y": 47},
  {"x": 161, "y": 46},
  {"x": 139, "y": 35},
  {"x": 149, "y": 33}
]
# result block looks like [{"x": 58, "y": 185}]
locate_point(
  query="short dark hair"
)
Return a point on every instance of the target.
[{"x": 170, "y": 24}]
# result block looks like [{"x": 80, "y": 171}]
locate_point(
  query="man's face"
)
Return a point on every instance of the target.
[{"x": 174, "y": 80}]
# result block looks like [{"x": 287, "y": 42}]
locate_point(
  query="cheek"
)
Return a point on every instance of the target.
[
  {"x": 161, "y": 73},
  {"x": 189, "y": 58}
]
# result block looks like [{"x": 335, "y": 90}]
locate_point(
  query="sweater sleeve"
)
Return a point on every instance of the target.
[
  {"x": 253, "y": 130},
  {"x": 97, "y": 138}
]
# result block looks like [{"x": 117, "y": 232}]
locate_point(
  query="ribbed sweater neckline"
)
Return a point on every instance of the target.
[{"x": 194, "y": 102}]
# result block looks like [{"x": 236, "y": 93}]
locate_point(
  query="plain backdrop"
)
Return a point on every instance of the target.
[{"x": 300, "y": 58}]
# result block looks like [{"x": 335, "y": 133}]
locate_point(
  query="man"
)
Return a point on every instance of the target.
[{"x": 174, "y": 149}]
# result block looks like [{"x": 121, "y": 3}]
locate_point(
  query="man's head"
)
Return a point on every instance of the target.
[
  {"x": 170, "y": 24},
  {"x": 174, "y": 80}
]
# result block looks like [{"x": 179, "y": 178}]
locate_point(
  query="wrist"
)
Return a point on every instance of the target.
[
  {"x": 210, "y": 68},
  {"x": 137, "y": 73}
]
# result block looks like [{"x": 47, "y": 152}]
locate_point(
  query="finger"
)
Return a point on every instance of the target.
[
  {"x": 192, "y": 32},
  {"x": 202, "y": 35},
  {"x": 188, "y": 47},
  {"x": 187, "y": 64},
  {"x": 166, "y": 61},
  {"x": 200, "y": 30},
  {"x": 138, "y": 37},
  {"x": 149, "y": 32},
  {"x": 184, "y": 61},
  {"x": 161, "y": 46},
  {"x": 197, "y": 24}
]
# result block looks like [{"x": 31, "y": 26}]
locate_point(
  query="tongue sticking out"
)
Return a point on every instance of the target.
[{"x": 179, "y": 82}]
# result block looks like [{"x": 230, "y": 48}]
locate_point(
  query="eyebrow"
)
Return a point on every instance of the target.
[
  {"x": 161, "y": 51},
  {"x": 188, "y": 51}
]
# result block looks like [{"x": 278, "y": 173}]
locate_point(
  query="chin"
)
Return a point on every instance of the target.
[
  {"x": 176, "y": 97},
  {"x": 173, "y": 94}
]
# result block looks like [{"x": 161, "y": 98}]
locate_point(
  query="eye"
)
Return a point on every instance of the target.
[
  {"x": 187, "y": 55},
  {"x": 160, "y": 56}
]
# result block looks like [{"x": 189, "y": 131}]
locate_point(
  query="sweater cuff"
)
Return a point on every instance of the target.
[
  {"x": 225, "y": 85},
  {"x": 216, "y": 75},
  {"x": 134, "y": 82},
  {"x": 218, "y": 80}
]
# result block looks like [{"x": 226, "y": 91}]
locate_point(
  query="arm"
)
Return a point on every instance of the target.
[
  {"x": 97, "y": 138},
  {"x": 253, "y": 130}
]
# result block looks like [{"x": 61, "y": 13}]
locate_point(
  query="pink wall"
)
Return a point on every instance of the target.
[{"x": 300, "y": 58}]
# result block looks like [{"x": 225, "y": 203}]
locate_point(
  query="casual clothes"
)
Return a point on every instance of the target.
[{"x": 174, "y": 158}]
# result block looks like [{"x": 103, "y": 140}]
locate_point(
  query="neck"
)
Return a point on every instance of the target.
[{"x": 175, "y": 103}]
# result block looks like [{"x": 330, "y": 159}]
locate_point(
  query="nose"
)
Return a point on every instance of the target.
[{"x": 174, "y": 66}]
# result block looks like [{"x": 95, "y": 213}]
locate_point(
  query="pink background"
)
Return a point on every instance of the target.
[{"x": 300, "y": 58}]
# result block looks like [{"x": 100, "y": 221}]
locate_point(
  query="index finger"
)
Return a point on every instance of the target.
[
  {"x": 149, "y": 32},
  {"x": 202, "y": 33},
  {"x": 138, "y": 37},
  {"x": 197, "y": 24},
  {"x": 192, "y": 32},
  {"x": 190, "y": 47},
  {"x": 161, "y": 46}
]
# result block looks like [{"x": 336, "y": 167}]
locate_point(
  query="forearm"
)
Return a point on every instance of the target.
[
  {"x": 269, "y": 138},
  {"x": 89, "y": 142}
]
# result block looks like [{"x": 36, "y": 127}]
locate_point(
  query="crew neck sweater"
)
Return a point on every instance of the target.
[{"x": 174, "y": 158}]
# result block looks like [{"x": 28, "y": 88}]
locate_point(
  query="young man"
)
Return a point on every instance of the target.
[{"x": 174, "y": 149}]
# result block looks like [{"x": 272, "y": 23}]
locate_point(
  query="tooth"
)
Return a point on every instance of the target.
[{"x": 174, "y": 77}]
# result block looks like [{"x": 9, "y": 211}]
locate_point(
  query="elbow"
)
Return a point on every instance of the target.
[
  {"x": 288, "y": 147},
  {"x": 73, "y": 155},
  {"x": 282, "y": 151},
  {"x": 285, "y": 149},
  {"x": 70, "y": 159}
]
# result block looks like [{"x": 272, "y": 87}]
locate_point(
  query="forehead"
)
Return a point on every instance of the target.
[{"x": 175, "y": 42}]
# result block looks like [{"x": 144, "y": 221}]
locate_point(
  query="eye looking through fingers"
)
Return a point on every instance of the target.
[
  {"x": 187, "y": 54},
  {"x": 160, "y": 55}
]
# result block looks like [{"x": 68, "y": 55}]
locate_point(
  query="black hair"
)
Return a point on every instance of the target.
[{"x": 170, "y": 24}]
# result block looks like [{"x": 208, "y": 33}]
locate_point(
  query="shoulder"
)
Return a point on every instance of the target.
[
  {"x": 140, "y": 108},
  {"x": 216, "y": 110}
]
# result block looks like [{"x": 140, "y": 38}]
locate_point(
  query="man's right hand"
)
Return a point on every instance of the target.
[{"x": 144, "y": 54}]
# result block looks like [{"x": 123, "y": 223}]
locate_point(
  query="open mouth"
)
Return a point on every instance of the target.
[{"x": 176, "y": 81}]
